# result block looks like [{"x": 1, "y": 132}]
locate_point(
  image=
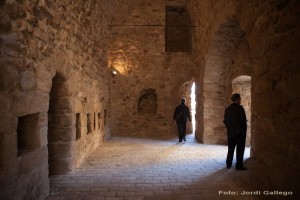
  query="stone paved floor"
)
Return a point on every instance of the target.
[{"x": 149, "y": 169}]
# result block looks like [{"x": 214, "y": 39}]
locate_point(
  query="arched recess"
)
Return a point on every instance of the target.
[
  {"x": 147, "y": 102},
  {"x": 242, "y": 85},
  {"x": 61, "y": 129},
  {"x": 217, "y": 81}
]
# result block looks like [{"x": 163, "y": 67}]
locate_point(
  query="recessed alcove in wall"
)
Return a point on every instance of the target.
[
  {"x": 95, "y": 122},
  {"x": 28, "y": 134},
  {"x": 178, "y": 35},
  {"x": 242, "y": 85},
  {"x": 89, "y": 123},
  {"x": 147, "y": 103},
  {"x": 78, "y": 126},
  {"x": 99, "y": 121}
]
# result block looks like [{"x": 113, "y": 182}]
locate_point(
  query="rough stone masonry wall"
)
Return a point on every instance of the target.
[
  {"x": 51, "y": 51},
  {"x": 271, "y": 28},
  {"x": 138, "y": 53}
]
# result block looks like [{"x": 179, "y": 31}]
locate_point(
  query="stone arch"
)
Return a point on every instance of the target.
[
  {"x": 147, "y": 102},
  {"x": 242, "y": 85},
  {"x": 60, "y": 127},
  {"x": 217, "y": 80}
]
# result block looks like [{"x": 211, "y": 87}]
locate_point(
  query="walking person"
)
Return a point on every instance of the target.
[
  {"x": 181, "y": 115},
  {"x": 236, "y": 124}
]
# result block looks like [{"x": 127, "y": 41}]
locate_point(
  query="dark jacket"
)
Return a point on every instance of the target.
[
  {"x": 181, "y": 114},
  {"x": 235, "y": 120}
]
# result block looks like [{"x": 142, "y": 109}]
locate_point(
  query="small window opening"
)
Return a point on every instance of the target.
[
  {"x": 99, "y": 121},
  {"x": 78, "y": 126},
  {"x": 147, "y": 102},
  {"x": 89, "y": 123},
  {"x": 95, "y": 121},
  {"x": 28, "y": 137},
  {"x": 178, "y": 34}
]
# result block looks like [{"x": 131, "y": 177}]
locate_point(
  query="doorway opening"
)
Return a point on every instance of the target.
[
  {"x": 242, "y": 85},
  {"x": 61, "y": 130},
  {"x": 193, "y": 106},
  {"x": 188, "y": 91}
]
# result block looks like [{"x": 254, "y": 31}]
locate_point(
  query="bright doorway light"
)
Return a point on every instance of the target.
[{"x": 193, "y": 106}]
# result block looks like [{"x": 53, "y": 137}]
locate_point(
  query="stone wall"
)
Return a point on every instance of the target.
[
  {"x": 53, "y": 67},
  {"x": 270, "y": 33},
  {"x": 139, "y": 55}
]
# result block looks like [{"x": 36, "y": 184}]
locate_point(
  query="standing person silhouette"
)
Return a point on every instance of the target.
[
  {"x": 181, "y": 114},
  {"x": 236, "y": 124}
]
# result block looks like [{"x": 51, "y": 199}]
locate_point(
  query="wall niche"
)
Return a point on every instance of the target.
[
  {"x": 147, "y": 102},
  {"x": 28, "y": 133}
]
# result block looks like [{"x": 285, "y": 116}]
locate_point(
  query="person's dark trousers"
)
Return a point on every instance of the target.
[
  {"x": 238, "y": 142},
  {"x": 181, "y": 131}
]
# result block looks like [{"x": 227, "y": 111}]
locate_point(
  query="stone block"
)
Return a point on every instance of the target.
[
  {"x": 44, "y": 77},
  {"x": 31, "y": 160},
  {"x": 5, "y": 23},
  {"x": 220, "y": 131},
  {"x": 62, "y": 134},
  {"x": 5, "y": 103},
  {"x": 61, "y": 150},
  {"x": 27, "y": 184},
  {"x": 7, "y": 123},
  {"x": 78, "y": 105},
  {"x": 43, "y": 189},
  {"x": 258, "y": 44},
  {"x": 60, "y": 166},
  {"x": 15, "y": 10},
  {"x": 8, "y": 152},
  {"x": 39, "y": 177},
  {"x": 61, "y": 105},
  {"x": 9, "y": 77},
  {"x": 43, "y": 135},
  {"x": 7, "y": 181},
  {"x": 264, "y": 125},
  {"x": 27, "y": 80},
  {"x": 61, "y": 120},
  {"x": 30, "y": 102}
]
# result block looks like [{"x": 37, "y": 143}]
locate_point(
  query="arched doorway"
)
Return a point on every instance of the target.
[
  {"x": 61, "y": 129},
  {"x": 242, "y": 85},
  {"x": 187, "y": 91}
]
